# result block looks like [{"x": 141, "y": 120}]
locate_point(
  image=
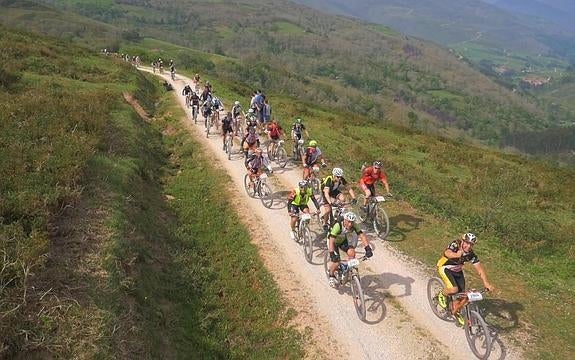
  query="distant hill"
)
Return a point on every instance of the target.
[
  {"x": 361, "y": 68},
  {"x": 560, "y": 12}
]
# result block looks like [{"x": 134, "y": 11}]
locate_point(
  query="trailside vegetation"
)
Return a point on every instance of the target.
[{"x": 95, "y": 262}]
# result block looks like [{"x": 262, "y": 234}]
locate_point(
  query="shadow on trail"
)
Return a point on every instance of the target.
[
  {"x": 279, "y": 200},
  {"x": 401, "y": 225},
  {"x": 319, "y": 246},
  {"x": 389, "y": 281},
  {"x": 502, "y": 317}
]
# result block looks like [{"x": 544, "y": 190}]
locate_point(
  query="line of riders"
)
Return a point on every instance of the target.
[{"x": 345, "y": 232}]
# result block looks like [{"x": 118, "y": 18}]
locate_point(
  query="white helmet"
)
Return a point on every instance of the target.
[
  {"x": 470, "y": 238},
  {"x": 237, "y": 103},
  {"x": 251, "y": 111},
  {"x": 349, "y": 216},
  {"x": 337, "y": 172}
]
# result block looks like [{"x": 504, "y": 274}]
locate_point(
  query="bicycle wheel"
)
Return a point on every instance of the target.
[
  {"x": 249, "y": 190},
  {"x": 478, "y": 335},
  {"x": 434, "y": 286},
  {"x": 381, "y": 222},
  {"x": 358, "y": 297},
  {"x": 229, "y": 148},
  {"x": 266, "y": 195},
  {"x": 281, "y": 157},
  {"x": 315, "y": 186},
  {"x": 307, "y": 241},
  {"x": 269, "y": 151}
]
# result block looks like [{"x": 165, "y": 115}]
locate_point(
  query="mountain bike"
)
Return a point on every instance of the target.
[
  {"x": 303, "y": 235},
  {"x": 195, "y": 113},
  {"x": 259, "y": 188},
  {"x": 276, "y": 152},
  {"x": 238, "y": 127},
  {"x": 477, "y": 331},
  {"x": 337, "y": 210},
  {"x": 228, "y": 144},
  {"x": 348, "y": 272},
  {"x": 314, "y": 180},
  {"x": 375, "y": 214},
  {"x": 209, "y": 122},
  {"x": 173, "y": 75},
  {"x": 298, "y": 150}
]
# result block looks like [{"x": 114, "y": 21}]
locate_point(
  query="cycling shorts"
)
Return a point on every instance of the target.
[
  {"x": 452, "y": 278},
  {"x": 370, "y": 187},
  {"x": 294, "y": 209}
]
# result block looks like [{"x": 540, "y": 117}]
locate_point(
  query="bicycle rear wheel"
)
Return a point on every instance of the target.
[
  {"x": 269, "y": 151},
  {"x": 326, "y": 263},
  {"x": 249, "y": 190},
  {"x": 229, "y": 148},
  {"x": 281, "y": 157},
  {"x": 434, "y": 286},
  {"x": 358, "y": 297},
  {"x": 478, "y": 335},
  {"x": 266, "y": 195},
  {"x": 381, "y": 222},
  {"x": 307, "y": 240},
  {"x": 315, "y": 186}
]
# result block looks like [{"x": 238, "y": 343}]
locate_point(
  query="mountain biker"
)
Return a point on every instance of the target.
[
  {"x": 297, "y": 130},
  {"x": 332, "y": 190},
  {"x": 450, "y": 268},
  {"x": 197, "y": 78},
  {"x": 187, "y": 92},
  {"x": 255, "y": 163},
  {"x": 250, "y": 141},
  {"x": 298, "y": 200},
  {"x": 344, "y": 236},
  {"x": 369, "y": 176},
  {"x": 217, "y": 106},
  {"x": 310, "y": 158},
  {"x": 275, "y": 131},
  {"x": 194, "y": 99},
  {"x": 236, "y": 113},
  {"x": 206, "y": 111},
  {"x": 227, "y": 127},
  {"x": 251, "y": 119}
]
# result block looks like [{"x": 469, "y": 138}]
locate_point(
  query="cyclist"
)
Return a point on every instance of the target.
[
  {"x": 195, "y": 104},
  {"x": 450, "y": 268},
  {"x": 250, "y": 141},
  {"x": 172, "y": 70},
  {"x": 187, "y": 92},
  {"x": 227, "y": 127},
  {"x": 255, "y": 163},
  {"x": 369, "y": 176},
  {"x": 274, "y": 131},
  {"x": 207, "y": 112},
  {"x": 236, "y": 113},
  {"x": 310, "y": 158},
  {"x": 297, "y": 130},
  {"x": 217, "y": 106},
  {"x": 298, "y": 200},
  {"x": 344, "y": 236},
  {"x": 251, "y": 119},
  {"x": 332, "y": 190}
]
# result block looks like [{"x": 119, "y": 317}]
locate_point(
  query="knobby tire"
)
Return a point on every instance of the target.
[
  {"x": 434, "y": 286},
  {"x": 478, "y": 335},
  {"x": 358, "y": 297},
  {"x": 307, "y": 241}
]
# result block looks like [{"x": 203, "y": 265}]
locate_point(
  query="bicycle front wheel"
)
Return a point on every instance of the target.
[
  {"x": 249, "y": 189},
  {"x": 315, "y": 186},
  {"x": 358, "y": 297},
  {"x": 282, "y": 157},
  {"x": 269, "y": 150},
  {"x": 434, "y": 286},
  {"x": 381, "y": 222},
  {"x": 478, "y": 335},
  {"x": 266, "y": 195},
  {"x": 307, "y": 241},
  {"x": 358, "y": 208}
]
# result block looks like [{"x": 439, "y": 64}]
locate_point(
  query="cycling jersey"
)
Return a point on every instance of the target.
[
  {"x": 254, "y": 163},
  {"x": 457, "y": 264},
  {"x": 369, "y": 176},
  {"x": 344, "y": 236},
  {"x": 312, "y": 155},
  {"x": 227, "y": 125},
  {"x": 274, "y": 131},
  {"x": 296, "y": 197},
  {"x": 333, "y": 185},
  {"x": 195, "y": 99},
  {"x": 186, "y": 90},
  {"x": 236, "y": 110}
]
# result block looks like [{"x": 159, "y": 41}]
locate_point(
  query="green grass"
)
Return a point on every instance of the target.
[
  {"x": 286, "y": 27},
  {"x": 96, "y": 261}
]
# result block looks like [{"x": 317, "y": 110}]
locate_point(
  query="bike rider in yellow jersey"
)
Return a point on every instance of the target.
[
  {"x": 332, "y": 188},
  {"x": 298, "y": 201},
  {"x": 344, "y": 235},
  {"x": 450, "y": 268}
]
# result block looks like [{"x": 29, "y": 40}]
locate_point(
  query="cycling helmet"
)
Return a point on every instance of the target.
[
  {"x": 337, "y": 172},
  {"x": 377, "y": 163},
  {"x": 237, "y": 103},
  {"x": 349, "y": 216},
  {"x": 302, "y": 184},
  {"x": 298, "y": 120},
  {"x": 313, "y": 143},
  {"x": 470, "y": 238},
  {"x": 251, "y": 111}
]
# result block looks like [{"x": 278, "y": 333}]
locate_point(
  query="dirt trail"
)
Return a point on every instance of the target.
[{"x": 399, "y": 324}]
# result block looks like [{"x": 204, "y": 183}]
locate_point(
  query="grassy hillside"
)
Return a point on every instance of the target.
[
  {"x": 95, "y": 262},
  {"x": 336, "y": 62}
]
